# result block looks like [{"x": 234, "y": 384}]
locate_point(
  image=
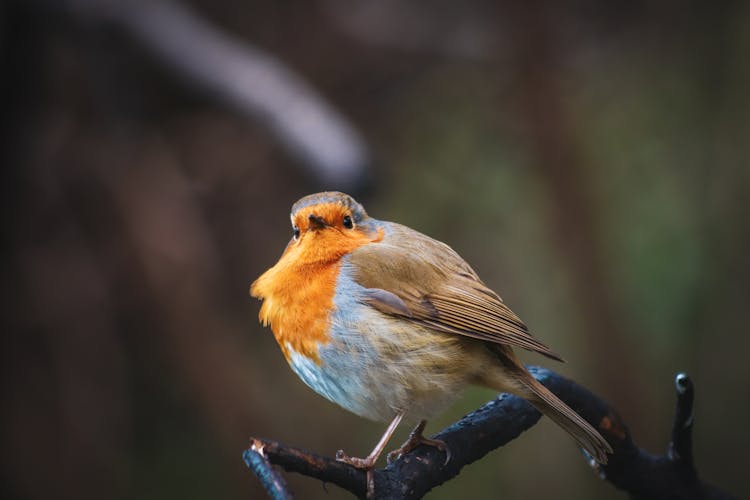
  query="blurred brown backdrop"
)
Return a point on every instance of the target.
[{"x": 590, "y": 160}]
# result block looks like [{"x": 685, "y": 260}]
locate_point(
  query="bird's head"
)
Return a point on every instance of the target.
[
  {"x": 330, "y": 224},
  {"x": 326, "y": 211}
]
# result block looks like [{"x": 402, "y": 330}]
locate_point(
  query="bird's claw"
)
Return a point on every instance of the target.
[
  {"x": 366, "y": 464},
  {"x": 415, "y": 439},
  {"x": 359, "y": 463}
]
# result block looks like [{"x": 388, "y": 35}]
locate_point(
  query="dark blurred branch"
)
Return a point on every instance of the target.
[
  {"x": 681, "y": 447},
  {"x": 498, "y": 422},
  {"x": 248, "y": 79},
  {"x": 272, "y": 481}
]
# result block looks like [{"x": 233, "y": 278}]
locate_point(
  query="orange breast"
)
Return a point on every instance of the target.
[
  {"x": 298, "y": 291},
  {"x": 297, "y": 304}
]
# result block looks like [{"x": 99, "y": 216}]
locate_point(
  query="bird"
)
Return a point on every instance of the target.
[{"x": 392, "y": 325}]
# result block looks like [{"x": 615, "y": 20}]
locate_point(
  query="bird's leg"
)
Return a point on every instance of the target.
[
  {"x": 415, "y": 439},
  {"x": 369, "y": 462}
]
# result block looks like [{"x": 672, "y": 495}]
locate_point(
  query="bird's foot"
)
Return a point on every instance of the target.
[
  {"x": 366, "y": 464},
  {"x": 359, "y": 463},
  {"x": 415, "y": 439}
]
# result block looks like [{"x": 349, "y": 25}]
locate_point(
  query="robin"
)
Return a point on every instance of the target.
[{"x": 391, "y": 324}]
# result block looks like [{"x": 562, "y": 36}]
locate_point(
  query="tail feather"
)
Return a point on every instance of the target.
[
  {"x": 560, "y": 413},
  {"x": 515, "y": 378}
]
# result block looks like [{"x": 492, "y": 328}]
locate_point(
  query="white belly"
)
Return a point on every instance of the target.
[{"x": 375, "y": 365}]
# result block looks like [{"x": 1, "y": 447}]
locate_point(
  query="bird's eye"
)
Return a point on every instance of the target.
[
  {"x": 348, "y": 223},
  {"x": 296, "y": 232}
]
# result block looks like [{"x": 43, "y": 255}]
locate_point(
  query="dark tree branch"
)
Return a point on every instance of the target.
[
  {"x": 681, "y": 446},
  {"x": 498, "y": 422},
  {"x": 271, "y": 480},
  {"x": 326, "y": 469}
]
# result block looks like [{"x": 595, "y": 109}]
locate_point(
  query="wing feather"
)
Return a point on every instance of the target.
[{"x": 423, "y": 280}]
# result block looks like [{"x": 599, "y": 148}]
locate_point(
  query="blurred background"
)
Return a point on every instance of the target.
[{"x": 591, "y": 161}]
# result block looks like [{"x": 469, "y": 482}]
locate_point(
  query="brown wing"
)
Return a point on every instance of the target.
[{"x": 411, "y": 275}]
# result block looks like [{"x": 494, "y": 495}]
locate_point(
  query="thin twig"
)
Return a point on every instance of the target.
[
  {"x": 272, "y": 481},
  {"x": 681, "y": 447}
]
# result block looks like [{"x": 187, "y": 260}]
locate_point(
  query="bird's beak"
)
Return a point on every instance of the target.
[{"x": 317, "y": 222}]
